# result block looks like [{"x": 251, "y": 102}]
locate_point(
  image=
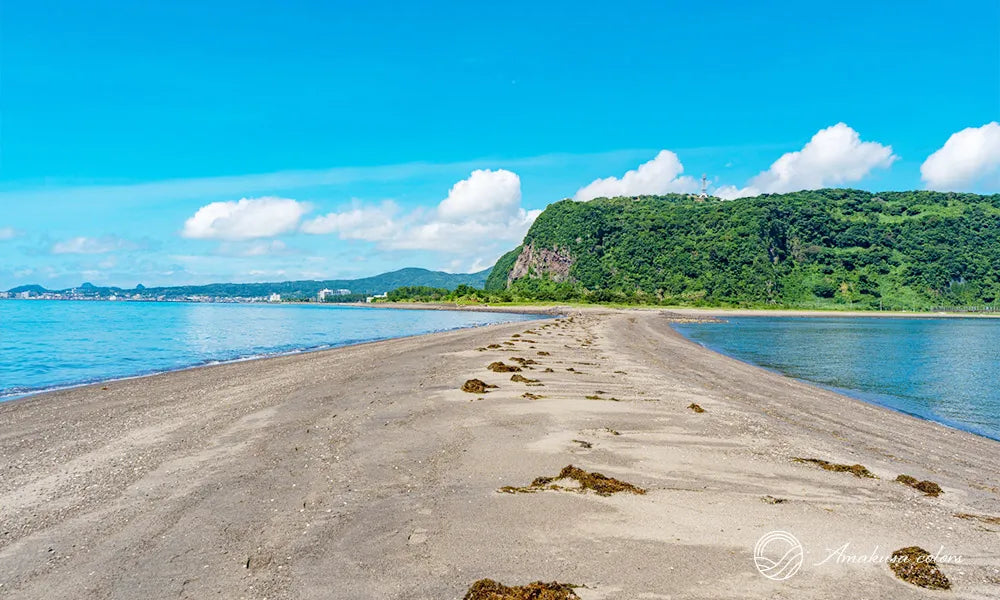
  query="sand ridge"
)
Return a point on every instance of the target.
[{"x": 366, "y": 472}]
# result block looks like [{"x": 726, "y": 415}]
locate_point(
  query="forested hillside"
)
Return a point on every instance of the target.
[
  {"x": 305, "y": 289},
  {"x": 822, "y": 248}
]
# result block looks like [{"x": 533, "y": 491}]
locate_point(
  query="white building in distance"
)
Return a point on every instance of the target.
[
  {"x": 326, "y": 293},
  {"x": 274, "y": 298}
]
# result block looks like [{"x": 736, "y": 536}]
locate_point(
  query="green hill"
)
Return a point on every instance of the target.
[{"x": 823, "y": 248}]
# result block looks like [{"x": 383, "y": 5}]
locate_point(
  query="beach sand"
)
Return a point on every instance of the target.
[{"x": 365, "y": 472}]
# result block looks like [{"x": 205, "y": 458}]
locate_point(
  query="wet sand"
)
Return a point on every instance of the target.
[{"x": 364, "y": 472}]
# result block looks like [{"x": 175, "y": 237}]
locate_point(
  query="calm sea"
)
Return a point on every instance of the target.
[
  {"x": 944, "y": 370},
  {"x": 52, "y": 344}
]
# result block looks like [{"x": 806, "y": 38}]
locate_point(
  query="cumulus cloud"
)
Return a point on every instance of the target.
[
  {"x": 483, "y": 195},
  {"x": 661, "y": 175},
  {"x": 833, "y": 156},
  {"x": 483, "y": 212},
  {"x": 8, "y": 233},
  {"x": 969, "y": 156},
  {"x": 360, "y": 222},
  {"x": 90, "y": 245},
  {"x": 731, "y": 192},
  {"x": 246, "y": 219}
]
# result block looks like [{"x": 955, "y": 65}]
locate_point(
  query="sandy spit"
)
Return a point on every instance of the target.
[{"x": 364, "y": 472}]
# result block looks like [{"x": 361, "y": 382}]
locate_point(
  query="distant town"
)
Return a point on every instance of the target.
[
  {"x": 365, "y": 289},
  {"x": 325, "y": 295}
]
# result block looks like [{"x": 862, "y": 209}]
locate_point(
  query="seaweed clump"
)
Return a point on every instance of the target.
[
  {"x": 984, "y": 518},
  {"x": 928, "y": 487},
  {"x": 523, "y": 361},
  {"x": 600, "y": 484},
  {"x": 500, "y": 367},
  {"x": 530, "y": 396},
  {"x": 476, "y": 386},
  {"x": 856, "y": 470},
  {"x": 915, "y": 565},
  {"x": 487, "y": 589},
  {"x": 696, "y": 408},
  {"x": 517, "y": 377}
]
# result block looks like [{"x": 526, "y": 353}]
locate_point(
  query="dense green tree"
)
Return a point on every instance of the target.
[{"x": 820, "y": 248}]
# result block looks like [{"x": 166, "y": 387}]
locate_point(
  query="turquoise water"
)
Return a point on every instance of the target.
[
  {"x": 944, "y": 370},
  {"x": 52, "y": 344}
]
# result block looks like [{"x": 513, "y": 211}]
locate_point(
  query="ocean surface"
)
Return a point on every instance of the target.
[
  {"x": 944, "y": 370},
  {"x": 53, "y": 344}
]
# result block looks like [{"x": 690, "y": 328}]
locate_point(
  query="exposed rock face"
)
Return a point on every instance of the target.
[{"x": 539, "y": 261}]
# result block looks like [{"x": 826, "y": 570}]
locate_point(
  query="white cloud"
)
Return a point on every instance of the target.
[
  {"x": 969, "y": 156},
  {"x": 459, "y": 237},
  {"x": 661, "y": 175},
  {"x": 731, "y": 192},
  {"x": 360, "y": 222},
  {"x": 8, "y": 233},
  {"x": 483, "y": 195},
  {"x": 483, "y": 212},
  {"x": 479, "y": 264},
  {"x": 246, "y": 219},
  {"x": 89, "y": 245},
  {"x": 833, "y": 156},
  {"x": 258, "y": 248}
]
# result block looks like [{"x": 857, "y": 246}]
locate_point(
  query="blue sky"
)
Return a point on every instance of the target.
[{"x": 368, "y": 138}]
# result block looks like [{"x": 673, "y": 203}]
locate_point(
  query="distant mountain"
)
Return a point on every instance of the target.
[
  {"x": 368, "y": 285},
  {"x": 34, "y": 289}
]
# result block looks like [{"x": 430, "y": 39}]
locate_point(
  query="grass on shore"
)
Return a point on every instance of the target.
[{"x": 823, "y": 309}]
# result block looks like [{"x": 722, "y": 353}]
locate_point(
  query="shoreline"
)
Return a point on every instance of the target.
[
  {"x": 363, "y": 471},
  {"x": 555, "y": 311},
  {"x": 858, "y": 395},
  {"x": 226, "y": 361},
  {"x": 555, "y": 308},
  {"x": 711, "y": 313},
  {"x": 560, "y": 308}
]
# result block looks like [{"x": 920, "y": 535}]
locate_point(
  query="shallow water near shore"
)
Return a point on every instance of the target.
[
  {"x": 943, "y": 370},
  {"x": 53, "y": 344}
]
